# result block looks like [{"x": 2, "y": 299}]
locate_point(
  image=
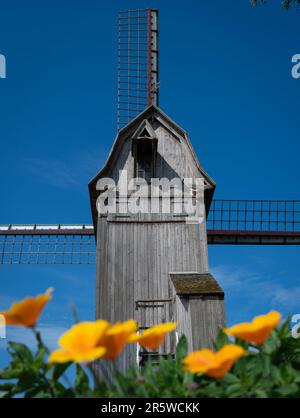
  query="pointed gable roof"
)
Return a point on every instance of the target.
[{"x": 136, "y": 128}]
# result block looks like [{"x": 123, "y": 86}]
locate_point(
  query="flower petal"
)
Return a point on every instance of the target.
[
  {"x": 152, "y": 337},
  {"x": 256, "y": 331},
  {"x": 60, "y": 356},
  {"x": 199, "y": 361},
  {"x": 116, "y": 337},
  {"x": 89, "y": 355},
  {"x": 26, "y": 312},
  {"x": 84, "y": 335},
  {"x": 215, "y": 365},
  {"x": 64, "y": 356}
]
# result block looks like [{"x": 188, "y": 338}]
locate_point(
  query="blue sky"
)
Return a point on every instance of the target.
[{"x": 225, "y": 76}]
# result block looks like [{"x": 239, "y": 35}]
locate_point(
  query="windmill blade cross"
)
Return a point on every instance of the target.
[{"x": 230, "y": 222}]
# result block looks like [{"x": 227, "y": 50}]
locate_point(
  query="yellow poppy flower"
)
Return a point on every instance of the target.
[
  {"x": 152, "y": 338},
  {"x": 26, "y": 312},
  {"x": 213, "y": 364},
  {"x": 116, "y": 337},
  {"x": 81, "y": 343},
  {"x": 258, "y": 330}
]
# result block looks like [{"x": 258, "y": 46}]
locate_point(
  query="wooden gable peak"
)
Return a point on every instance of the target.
[{"x": 144, "y": 131}]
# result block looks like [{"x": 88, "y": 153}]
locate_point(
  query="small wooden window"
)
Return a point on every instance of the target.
[
  {"x": 144, "y": 160},
  {"x": 144, "y": 156}
]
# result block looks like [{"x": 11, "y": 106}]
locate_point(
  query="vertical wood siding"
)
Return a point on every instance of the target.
[{"x": 135, "y": 255}]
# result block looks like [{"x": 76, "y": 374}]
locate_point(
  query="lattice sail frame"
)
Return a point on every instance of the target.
[
  {"x": 229, "y": 222},
  {"x": 49, "y": 244},
  {"x": 137, "y": 62},
  {"x": 255, "y": 215}
]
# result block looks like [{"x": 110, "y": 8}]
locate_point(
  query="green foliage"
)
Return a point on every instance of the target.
[
  {"x": 30, "y": 375},
  {"x": 222, "y": 339},
  {"x": 165, "y": 379},
  {"x": 272, "y": 370},
  {"x": 181, "y": 349}
]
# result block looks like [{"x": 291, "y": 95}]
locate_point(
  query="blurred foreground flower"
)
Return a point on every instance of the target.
[
  {"x": 116, "y": 337},
  {"x": 213, "y": 364},
  {"x": 81, "y": 343},
  {"x": 258, "y": 330},
  {"x": 151, "y": 338},
  {"x": 26, "y": 312}
]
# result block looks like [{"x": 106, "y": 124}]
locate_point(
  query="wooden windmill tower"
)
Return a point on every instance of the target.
[{"x": 152, "y": 262}]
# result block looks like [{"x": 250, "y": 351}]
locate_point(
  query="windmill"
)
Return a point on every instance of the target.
[{"x": 153, "y": 266}]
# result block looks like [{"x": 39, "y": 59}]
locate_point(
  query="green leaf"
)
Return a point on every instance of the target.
[
  {"x": 11, "y": 373},
  {"x": 230, "y": 378},
  {"x": 259, "y": 393},
  {"x": 222, "y": 339},
  {"x": 27, "y": 380},
  {"x": 7, "y": 386},
  {"x": 288, "y": 390},
  {"x": 37, "y": 392},
  {"x": 59, "y": 369},
  {"x": 8, "y": 394},
  {"x": 266, "y": 365},
  {"x": 62, "y": 392},
  {"x": 271, "y": 344},
  {"x": 181, "y": 349},
  {"x": 20, "y": 353},
  {"x": 275, "y": 375},
  {"x": 39, "y": 360},
  {"x": 233, "y": 390}
]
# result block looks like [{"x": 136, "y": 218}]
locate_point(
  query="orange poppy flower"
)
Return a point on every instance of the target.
[
  {"x": 80, "y": 343},
  {"x": 116, "y": 337},
  {"x": 27, "y": 312},
  {"x": 258, "y": 330},
  {"x": 152, "y": 338},
  {"x": 213, "y": 364}
]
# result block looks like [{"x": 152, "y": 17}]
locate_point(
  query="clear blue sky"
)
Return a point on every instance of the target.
[{"x": 225, "y": 77}]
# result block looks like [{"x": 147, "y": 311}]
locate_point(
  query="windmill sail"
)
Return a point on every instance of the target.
[
  {"x": 230, "y": 222},
  {"x": 137, "y": 62}
]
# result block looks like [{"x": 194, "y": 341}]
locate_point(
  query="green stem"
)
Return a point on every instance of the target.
[
  {"x": 39, "y": 339},
  {"x": 42, "y": 372},
  {"x": 74, "y": 314}
]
